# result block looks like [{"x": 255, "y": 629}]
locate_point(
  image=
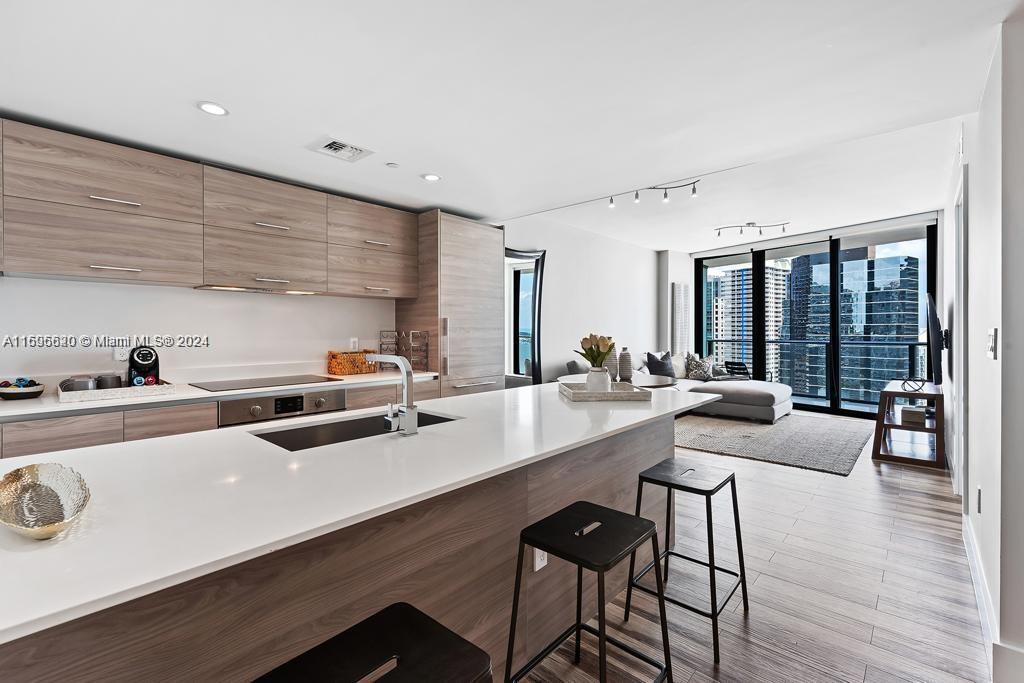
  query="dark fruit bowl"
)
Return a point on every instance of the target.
[{"x": 13, "y": 393}]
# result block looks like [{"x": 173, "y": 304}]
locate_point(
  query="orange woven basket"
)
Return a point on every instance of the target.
[{"x": 350, "y": 362}]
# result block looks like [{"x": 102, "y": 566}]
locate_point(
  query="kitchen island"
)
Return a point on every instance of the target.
[{"x": 219, "y": 555}]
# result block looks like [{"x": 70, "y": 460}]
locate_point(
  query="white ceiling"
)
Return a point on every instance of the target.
[
  {"x": 883, "y": 176},
  {"x": 521, "y": 106}
]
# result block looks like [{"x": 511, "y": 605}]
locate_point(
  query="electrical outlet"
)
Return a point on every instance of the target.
[
  {"x": 121, "y": 353},
  {"x": 978, "y": 498},
  {"x": 353, "y": 343},
  {"x": 540, "y": 560}
]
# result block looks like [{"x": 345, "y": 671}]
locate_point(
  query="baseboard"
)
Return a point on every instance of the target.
[
  {"x": 986, "y": 610},
  {"x": 1008, "y": 663}
]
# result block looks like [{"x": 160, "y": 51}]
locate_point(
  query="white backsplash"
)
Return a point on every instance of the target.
[{"x": 248, "y": 333}]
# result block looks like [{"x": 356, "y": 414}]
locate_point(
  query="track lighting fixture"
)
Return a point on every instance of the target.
[
  {"x": 611, "y": 202},
  {"x": 636, "y": 197},
  {"x": 751, "y": 225},
  {"x": 664, "y": 197}
]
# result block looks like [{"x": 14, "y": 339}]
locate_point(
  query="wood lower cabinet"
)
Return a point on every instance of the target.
[
  {"x": 61, "y": 433},
  {"x": 426, "y": 389},
  {"x": 372, "y": 397},
  {"x": 45, "y": 164},
  {"x": 352, "y": 271},
  {"x": 245, "y": 202},
  {"x": 369, "y": 226},
  {"x": 153, "y": 422},
  {"x": 236, "y": 258},
  {"x": 72, "y": 241},
  {"x": 477, "y": 385}
]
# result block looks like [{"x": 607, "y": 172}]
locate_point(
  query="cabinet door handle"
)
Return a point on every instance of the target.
[
  {"x": 379, "y": 244},
  {"x": 271, "y": 225},
  {"x": 270, "y": 279},
  {"x": 474, "y": 384},
  {"x": 126, "y": 270},
  {"x": 445, "y": 346},
  {"x": 115, "y": 201},
  {"x": 377, "y": 289}
]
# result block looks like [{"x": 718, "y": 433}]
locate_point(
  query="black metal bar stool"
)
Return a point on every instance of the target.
[
  {"x": 397, "y": 644},
  {"x": 680, "y": 474},
  {"x": 596, "y": 538}
]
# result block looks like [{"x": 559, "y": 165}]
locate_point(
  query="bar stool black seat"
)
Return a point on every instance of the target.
[
  {"x": 596, "y": 538},
  {"x": 681, "y": 474},
  {"x": 397, "y": 644}
]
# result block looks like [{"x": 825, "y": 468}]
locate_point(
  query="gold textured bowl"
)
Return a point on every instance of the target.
[{"x": 40, "y": 501}]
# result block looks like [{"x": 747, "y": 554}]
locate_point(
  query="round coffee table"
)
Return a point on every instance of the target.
[{"x": 639, "y": 379}]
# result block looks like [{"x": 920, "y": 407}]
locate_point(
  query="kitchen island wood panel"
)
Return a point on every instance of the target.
[
  {"x": 45, "y": 164},
  {"x": 61, "y": 433},
  {"x": 45, "y": 238},
  {"x": 452, "y": 556}
]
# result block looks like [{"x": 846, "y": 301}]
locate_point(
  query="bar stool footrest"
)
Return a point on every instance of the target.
[
  {"x": 570, "y": 632},
  {"x": 678, "y": 603}
]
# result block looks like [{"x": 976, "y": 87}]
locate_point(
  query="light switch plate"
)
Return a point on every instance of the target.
[
  {"x": 353, "y": 343},
  {"x": 540, "y": 560},
  {"x": 992, "y": 345}
]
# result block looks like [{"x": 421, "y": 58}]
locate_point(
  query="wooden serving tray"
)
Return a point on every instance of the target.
[{"x": 621, "y": 391}]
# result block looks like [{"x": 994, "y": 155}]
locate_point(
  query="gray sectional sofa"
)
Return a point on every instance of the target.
[{"x": 747, "y": 398}]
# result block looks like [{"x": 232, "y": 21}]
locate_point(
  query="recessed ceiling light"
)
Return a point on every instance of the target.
[
  {"x": 391, "y": 164},
  {"x": 212, "y": 108},
  {"x": 430, "y": 177}
]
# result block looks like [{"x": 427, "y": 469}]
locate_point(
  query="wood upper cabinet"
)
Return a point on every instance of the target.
[
  {"x": 245, "y": 202},
  {"x": 236, "y": 258},
  {"x": 72, "y": 241},
  {"x": 61, "y": 433},
  {"x": 365, "y": 272},
  {"x": 369, "y": 226},
  {"x": 149, "y": 423},
  {"x": 472, "y": 287},
  {"x": 70, "y": 169}
]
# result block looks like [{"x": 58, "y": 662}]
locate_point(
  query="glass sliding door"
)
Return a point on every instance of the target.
[
  {"x": 798, "y": 338},
  {"x": 727, "y": 315},
  {"x": 882, "y": 323}
]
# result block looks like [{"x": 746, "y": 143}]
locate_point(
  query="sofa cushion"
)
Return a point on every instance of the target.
[
  {"x": 698, "y": 368},
  {"x": 660, "y": 366},
  {"x": 688, "y": 384},
  {"x": 750, "y": 393}
]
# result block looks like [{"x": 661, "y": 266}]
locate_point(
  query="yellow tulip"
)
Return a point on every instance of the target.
[{"x": 585, "y": 343}]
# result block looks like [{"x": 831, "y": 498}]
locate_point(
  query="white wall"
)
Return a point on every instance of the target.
[
  {"x": 244, "y": 329},
  {"x": 995, "y": 154},
  {"x": 591, "y": 284}
]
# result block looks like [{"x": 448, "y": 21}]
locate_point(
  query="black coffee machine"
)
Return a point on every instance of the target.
[{"x": 143, "y": 366}]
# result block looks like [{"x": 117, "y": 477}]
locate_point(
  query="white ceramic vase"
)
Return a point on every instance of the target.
[{"x": 598, "y": 379}]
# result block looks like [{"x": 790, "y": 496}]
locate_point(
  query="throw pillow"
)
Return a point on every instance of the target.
[
  {"x": 697, "y": 368},
  {"x": 660, "y": 366},
  {"x": 679, "y": 366},
  {"x": 719, "y": 371}
]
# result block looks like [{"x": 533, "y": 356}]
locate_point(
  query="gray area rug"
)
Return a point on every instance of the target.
[{"x": 827, "y": 444}]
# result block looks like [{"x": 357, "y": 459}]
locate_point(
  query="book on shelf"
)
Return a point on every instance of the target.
[{"x": 915, "y": 416}]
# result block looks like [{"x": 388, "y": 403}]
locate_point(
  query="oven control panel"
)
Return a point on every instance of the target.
[{"x": 257, "y": 409}]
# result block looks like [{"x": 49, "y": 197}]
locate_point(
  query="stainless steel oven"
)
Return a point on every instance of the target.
[{"x": 261, "y": 408}]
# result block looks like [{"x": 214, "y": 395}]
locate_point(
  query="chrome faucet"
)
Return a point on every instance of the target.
[{"x": 402, "y": 418}]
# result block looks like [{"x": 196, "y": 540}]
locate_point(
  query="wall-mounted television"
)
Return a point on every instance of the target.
[{"x": 935, "y": 341}]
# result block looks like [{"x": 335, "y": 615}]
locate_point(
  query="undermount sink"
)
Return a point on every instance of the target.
[{"x": 301, "y": 438}]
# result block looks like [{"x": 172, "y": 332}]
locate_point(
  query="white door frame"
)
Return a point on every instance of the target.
[{"x": 959, "y": 366}]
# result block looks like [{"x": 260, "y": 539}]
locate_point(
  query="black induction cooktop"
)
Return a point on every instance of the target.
[{"x": 261, "y": 382}]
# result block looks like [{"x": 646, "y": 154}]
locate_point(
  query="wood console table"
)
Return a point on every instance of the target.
[{"x": 919, "y": 448}]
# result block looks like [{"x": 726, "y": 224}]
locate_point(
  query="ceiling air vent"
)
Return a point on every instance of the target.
[{"x": 342, "y": 150}]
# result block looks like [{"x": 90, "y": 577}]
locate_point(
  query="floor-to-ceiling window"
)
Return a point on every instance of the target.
[
  {"x": 727, "y": 318},
  {"x": 882, "y": 324},
  {"x": 798, "y": 336},
  {"x": 835, "y": 319}
]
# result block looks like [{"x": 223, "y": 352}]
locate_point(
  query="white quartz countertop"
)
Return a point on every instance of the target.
[
  {"x": 170, "y": 509},
  {"x": 47, "y": 405}
]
